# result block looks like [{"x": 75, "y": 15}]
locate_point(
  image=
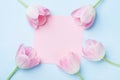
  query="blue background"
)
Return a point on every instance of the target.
[{"x": 15, "y": 29}]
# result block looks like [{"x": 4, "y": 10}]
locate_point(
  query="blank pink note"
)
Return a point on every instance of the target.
[{"x": 59, "y": 36}]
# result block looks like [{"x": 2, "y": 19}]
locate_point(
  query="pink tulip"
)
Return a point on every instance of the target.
[
  {"x": 70, "y": 63},
  {"x": 93, "y": 50},
  {"x": 37, "y": 16},
  {"x": 26, "y": 57},
  {"x": 84, "y": 16}
]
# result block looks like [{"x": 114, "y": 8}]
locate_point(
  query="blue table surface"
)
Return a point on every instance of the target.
[{"x": 14, "y": 30}]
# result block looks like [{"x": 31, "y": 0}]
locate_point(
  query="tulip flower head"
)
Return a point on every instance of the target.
[
  {"x": 84, "y": 16},
  {"x": 37, "y": 16},
  {"x": 26, "y": 58},
  {"x": 70, "y": 63},
  {"x": 93, "y": 50}
]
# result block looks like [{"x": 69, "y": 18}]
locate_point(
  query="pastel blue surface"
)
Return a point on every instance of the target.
[{"x": 15, "y": 29}]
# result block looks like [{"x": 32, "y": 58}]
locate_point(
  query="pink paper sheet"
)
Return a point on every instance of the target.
[{"x": 59, "y": 36}]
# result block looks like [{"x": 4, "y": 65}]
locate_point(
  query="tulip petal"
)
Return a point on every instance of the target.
[{"x": 22, "y": 61}]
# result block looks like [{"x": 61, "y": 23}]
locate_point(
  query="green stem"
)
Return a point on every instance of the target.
[
  {"x": 12, "y": 73},
  {"x": 97, "y": 3},
  {"x": 80, "y": 76},
  {"x": 23, "y": 3},
  {"x": 110, "y": 62}
]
